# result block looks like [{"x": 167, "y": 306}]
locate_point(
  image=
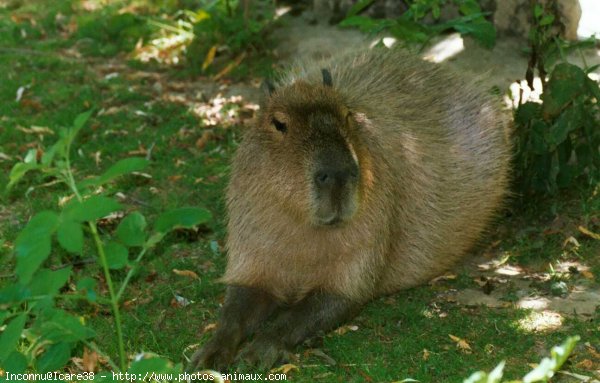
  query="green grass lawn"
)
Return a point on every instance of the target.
[{"x": 405, "y": 336}]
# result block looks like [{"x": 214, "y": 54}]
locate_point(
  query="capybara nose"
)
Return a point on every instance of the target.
[{"x": 328, "y": 177}]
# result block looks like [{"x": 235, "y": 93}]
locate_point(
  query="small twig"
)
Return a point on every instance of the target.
[{"x": 31, "y": 52}]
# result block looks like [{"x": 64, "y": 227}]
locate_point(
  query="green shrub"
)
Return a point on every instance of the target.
[
  {"x": 224, "y": 28},
  {"x": 558, "y": 141},
  {"x": 107, "y": 33},
  {"x": 410, "y": 28},
  {"x": 40, "y": 334}
]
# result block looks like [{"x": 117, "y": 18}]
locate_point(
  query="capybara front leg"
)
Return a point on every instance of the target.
[
  {"x": 244, "y": 310},
  {"x": 317, "y": 314}
]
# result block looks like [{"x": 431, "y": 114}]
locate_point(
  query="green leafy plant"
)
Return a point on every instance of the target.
[
  {"x": 557, "y": 141},
  {"x": 215, "y": 37},
  {"x": 410, "y": 28},
  {"x": 229, "y": 29},
  {"x": 39, "y": 333},
  {"x": 542, "y": 373},
  {"x": 107, "y": 33}
]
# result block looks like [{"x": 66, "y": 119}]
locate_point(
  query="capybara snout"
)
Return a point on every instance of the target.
[{"x": 335, "y": 186}]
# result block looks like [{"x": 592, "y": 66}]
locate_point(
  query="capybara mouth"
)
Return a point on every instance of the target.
[
  {"x": 334, "y": 221},
  {"x": 329, "y": 216}
]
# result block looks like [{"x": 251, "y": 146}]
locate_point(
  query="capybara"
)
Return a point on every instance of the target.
[{"x": 363, "y": 175}]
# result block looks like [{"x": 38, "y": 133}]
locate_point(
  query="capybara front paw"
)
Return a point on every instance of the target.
[
  {"x": 214, "y": 355},
  {"x": 266, "y": 353}
]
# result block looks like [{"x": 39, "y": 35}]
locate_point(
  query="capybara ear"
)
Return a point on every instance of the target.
[
  {"x": 267, "y": 87},
  {"x": 327, "y": 77}
]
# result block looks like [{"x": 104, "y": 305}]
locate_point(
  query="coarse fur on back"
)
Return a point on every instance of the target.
[{"x": 430, "y": 154}]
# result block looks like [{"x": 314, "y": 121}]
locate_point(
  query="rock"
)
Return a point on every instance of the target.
[{"x": 510, "y": 17}]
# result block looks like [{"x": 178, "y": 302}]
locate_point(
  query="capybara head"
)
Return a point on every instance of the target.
[{"x": 309, "y": 136}]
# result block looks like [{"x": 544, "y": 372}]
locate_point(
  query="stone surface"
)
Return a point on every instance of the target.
[
  {"x": 513, "y": 17},
  {"x": 510, "y": 17}
]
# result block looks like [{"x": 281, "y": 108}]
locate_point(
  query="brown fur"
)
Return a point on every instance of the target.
[
  {"x": 348, "y": 189},
  {"x": 434, "y": 161}
]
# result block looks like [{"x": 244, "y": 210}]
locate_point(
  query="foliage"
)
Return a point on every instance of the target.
[
  {"x": 410, "y": 26},
  {"x": 112, "y": 33},
  {"x": 39, "y": 333},
  {"x": 230, "y": 29},
  {"x": 215, "y": 35},
  {"x": 556, "y": 142},
  {"x": 542, "y": 373}
]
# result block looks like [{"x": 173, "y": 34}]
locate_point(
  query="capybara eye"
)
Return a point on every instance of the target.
[{"x": 282, "y": 127}]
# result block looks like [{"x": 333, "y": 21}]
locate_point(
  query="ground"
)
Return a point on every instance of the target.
[{"x": 528, "y": 285}]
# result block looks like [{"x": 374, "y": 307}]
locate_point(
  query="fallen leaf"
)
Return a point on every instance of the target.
[
  {"x": 445, "y": 277},
  {"x": 462, "y": 344},
  {"x": 203, "y": 140},
  {"x": 322, "y": 355},
  {"x": 175, "y": 178},
  {"x": 365, "y": 375},
  {"x": 344, "y": 329},
  {"x": 179, "y": 301},
  {"x": 111, "y": 75},
  {"x": 230, "y": 66},
  {"x": 585, "y": 364},
  {"x": 143, "y": 175},
  {"x": 286, "y": 368},
  {"x": 33, "y": 104},
  {"x": 210, "y": 56},
  {"x": 426, "y": 354},
  {"x": 209, "y": 327},
  {"x": 151, "y": 277},
  {"x": 186, "y": 273},
  {"x": 572, "y": 241},
  {"x": 110, "y": 110},
  {"x": 90, "y": 360},
  {"x": 39, "y": 153},
  {"x": 140, "y": 151},
  {"x": 593, "y": 351},
  {"x": 97, "y": 156},
  {"x": 36, "y": 130},
  {"x": 20, "y": 92},
  {"x": 579, "y": 377},
  {"x": 588, "y": 232},
  {"x": 587, "y": 274}
]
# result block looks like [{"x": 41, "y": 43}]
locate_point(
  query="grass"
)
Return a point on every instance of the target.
[{"x": 407, "y": 335}]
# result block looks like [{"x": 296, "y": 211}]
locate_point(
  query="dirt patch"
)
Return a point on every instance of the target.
[{"x": 502, "y": 284}]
